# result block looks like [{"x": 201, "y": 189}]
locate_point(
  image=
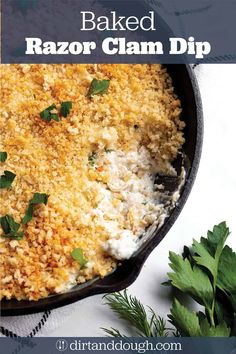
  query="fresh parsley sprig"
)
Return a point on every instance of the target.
[
  {"x": 205, "y": 273},
  {"x": 201, "y": 266}
]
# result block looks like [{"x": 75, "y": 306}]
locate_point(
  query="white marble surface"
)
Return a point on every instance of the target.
[{"x": 211, "y": 201}]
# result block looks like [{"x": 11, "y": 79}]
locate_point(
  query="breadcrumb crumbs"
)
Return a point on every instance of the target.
[{"x": 140, "y": 109}]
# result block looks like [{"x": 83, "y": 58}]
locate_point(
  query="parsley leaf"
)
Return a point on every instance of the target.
[
  {"x": 185, "y": 320},
  {"x": 233, "y": 303},
  {"x": 191, "y": 324},
  {"x": 65, "y": 108},
  {"x": 10, "y": 228},
  {"x": 98, "y": 87},
  {"x": 213, "y": 259},
  {"x": 38, "y": 198},
  {"x": 220, "y": 330},
  {"x": 47, "y": 114},
  {"x": 190, "y": 280},
  {"x": 227, "y": 274},
  {"x": 28, "y": 215},
  {"x": 7, "y": 179},
  {"x": 214, "y": 237},
  {"x": 78, "y": 255},
  {"x": 54, "y": 116},
  {"x": 92, "y": 157},
  {"x": 3, "y": 156},
  {"x": 8, "y": 224},
  {"x": 208, "y": 251},
  {"x": 107, "y": 150}
]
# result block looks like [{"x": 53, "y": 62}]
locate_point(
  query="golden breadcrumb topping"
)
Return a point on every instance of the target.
[{"x": 139, "y": 109}]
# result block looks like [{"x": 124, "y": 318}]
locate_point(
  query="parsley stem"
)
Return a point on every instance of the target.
[
  {"x": 212, "y": 310},
  {"x": 215, "y": 276},
  {"x": 211, "y": 314}
]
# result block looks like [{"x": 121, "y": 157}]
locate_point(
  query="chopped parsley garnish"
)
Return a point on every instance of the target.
[
  {"x": 65, "y": 108},
  {"x": 92, "y": 157},
  {"x": 48, "y": 114},
  {"x": 7, "y": 179},
  {"x": 78, "y": 256},
  {"x": 3, "y": 156},
  {"x": 10, "y": 228},
  {"x": 107, "y": 150},
  {"x": 98, "y": 87},
  {"x": 38, "y": 198}
]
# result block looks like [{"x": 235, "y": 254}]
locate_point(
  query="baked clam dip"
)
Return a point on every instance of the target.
[{"x": 80, "y": 149}]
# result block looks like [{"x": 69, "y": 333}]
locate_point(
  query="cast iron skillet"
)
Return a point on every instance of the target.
[{"x": 187, "y": 89}]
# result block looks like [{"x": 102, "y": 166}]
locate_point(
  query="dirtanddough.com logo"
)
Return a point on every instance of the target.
[{"x": 61, "y": 345}]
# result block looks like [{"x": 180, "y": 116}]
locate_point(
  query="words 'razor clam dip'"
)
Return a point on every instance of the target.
[{"x": 80, "y": 148}]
